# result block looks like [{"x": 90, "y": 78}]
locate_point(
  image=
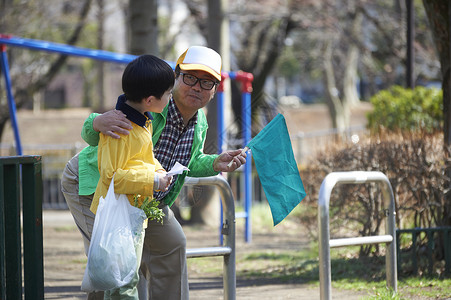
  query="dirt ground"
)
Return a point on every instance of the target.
[{"x": 64, "y": 263}]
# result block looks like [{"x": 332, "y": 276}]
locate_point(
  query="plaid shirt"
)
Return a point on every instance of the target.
[{"x": 175, "y": 143}]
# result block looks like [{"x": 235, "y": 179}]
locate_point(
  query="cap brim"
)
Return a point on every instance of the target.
[{"x": 199, "y": 67}]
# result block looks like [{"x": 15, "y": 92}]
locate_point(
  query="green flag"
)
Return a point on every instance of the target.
[{"x": 277, "y": 169}]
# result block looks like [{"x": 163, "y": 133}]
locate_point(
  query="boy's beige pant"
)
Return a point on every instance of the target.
[{"x": 164, "y": 252}]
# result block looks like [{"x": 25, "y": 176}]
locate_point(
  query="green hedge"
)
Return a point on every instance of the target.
[{"x": 400, "y": 109}]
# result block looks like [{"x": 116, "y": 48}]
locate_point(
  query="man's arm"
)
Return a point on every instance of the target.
[
  {"x": 110, "y": 123},
  {"x": 88, "y": 134},
  {"x": 211, "y": 164}
]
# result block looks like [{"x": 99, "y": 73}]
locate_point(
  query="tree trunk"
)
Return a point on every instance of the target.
[
  {"x": 334, "y": 103},
  {"x": 143, "y": 21},
  {"x": 350, "y": 95},
  {"x": 439, "y": 15},
  {"x": 214, "y": 41},
  {"x": 2, "y": 126},
  {"x": 207, "y": 209}
]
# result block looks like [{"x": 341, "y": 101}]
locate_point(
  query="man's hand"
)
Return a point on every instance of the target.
[
  {"x": 112, "y": 123},
  {"x": 221, "y": 163}
]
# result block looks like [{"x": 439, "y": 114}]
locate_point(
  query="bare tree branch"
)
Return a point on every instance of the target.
[{"x": 24, "y": 95}]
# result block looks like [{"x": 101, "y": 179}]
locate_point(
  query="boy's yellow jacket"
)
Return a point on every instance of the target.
[{"x": 130, "y": 159}]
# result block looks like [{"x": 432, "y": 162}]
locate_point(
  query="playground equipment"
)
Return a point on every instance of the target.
[
  {"x": 325, "y": 243},
  {"x": 243, "y": 77}
]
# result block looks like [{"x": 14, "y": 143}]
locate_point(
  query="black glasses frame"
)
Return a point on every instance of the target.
[{"x": 202, "y": 82}]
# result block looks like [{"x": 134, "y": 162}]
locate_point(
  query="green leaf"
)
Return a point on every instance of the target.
[{"x": 150, "y": 208}]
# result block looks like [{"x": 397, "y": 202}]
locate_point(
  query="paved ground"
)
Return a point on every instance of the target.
[{"x": 64, "y": 263}]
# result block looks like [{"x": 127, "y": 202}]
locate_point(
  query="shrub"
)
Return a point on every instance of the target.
[
  {"x": 415, "y": 165},
  {"x": 406, "y": 109}
]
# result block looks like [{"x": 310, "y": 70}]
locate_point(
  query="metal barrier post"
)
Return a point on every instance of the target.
[
  {"x": 13, "y": 171},
  {"x": 325, "y": 243},
  {"x": 228, "y": 231}
]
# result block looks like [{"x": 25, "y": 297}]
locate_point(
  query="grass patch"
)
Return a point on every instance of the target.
[
  {"x": 82, "y": 261},
  {"x": 359, "y": 274},
  {"x": 261, "y": 217},
  {"x": 383, "y": 294},
  {"x": 291, "y": 266},
  {"x": 65, "y": 228},
  {"x": 206, "y": 265},
  {"x": 433, "y": 288}
]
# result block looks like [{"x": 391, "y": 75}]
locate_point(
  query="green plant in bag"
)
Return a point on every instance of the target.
[{"x": 150, "y": 208}]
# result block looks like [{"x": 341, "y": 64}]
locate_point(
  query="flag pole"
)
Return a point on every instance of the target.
[{"x": 241, "y": 153}]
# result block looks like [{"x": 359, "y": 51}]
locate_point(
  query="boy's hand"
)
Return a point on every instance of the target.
[
  {"x": 162, "y": 181},
  {"x": 112, "y": 123},
  {"x": 165, "y": 182}
]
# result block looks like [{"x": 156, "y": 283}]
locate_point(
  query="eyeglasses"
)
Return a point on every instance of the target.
[{"x": 191, "y": 80}]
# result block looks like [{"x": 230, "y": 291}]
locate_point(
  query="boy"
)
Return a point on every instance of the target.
[{"x": 147, "y": 82}]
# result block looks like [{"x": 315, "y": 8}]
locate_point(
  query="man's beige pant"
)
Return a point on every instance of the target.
[{"x": 164, "y": 251}]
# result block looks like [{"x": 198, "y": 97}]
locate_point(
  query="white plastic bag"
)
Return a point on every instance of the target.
[{"x": 117, "y": 234}]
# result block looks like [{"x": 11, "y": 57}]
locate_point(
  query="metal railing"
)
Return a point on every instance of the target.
[
  {"x": 429, "y": 232},
  {"x": 356, "y": 177},
  {"x": 17, "y": 172},
  {"x": 228, "y": 230}
]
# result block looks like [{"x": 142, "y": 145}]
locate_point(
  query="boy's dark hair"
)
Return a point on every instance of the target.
[{"x": 145, "y": 76}]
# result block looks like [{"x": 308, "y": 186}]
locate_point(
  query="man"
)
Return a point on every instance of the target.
[{"x": 179, "y": 136}]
